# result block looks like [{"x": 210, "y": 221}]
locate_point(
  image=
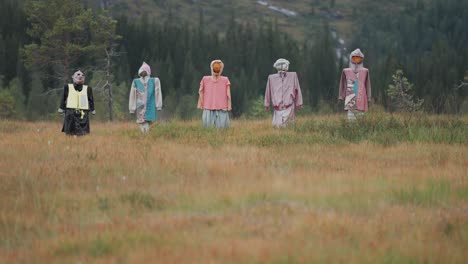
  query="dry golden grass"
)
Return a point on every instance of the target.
[{"x": 187, "y": 195}]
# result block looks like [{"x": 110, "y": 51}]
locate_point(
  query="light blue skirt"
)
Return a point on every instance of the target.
[{"x": 216, "y": 118}]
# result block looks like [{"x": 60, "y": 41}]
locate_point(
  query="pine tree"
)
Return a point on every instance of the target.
[
  {"x": 64, "y": 34},
  {"x": 7, "y": 104},
  {"x": 400, "y": 94},
  {"x": 3, "y": 64},
  {"x": 16, "y": 91},
  {"x": 35, "y": 107},
  {"x": 257, "y": 109}
]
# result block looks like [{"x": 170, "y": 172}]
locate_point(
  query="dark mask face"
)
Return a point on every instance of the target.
[
  {"x": 216, "y": 67},
  {"x": 356, "y": 59},
  {"x": 143, "y": 73},
  {"x": 78, "y": 77}
]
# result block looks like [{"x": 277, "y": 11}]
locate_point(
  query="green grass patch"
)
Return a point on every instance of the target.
[
  {"x": 435, "y": 193},
  {"x": 379, "y": 128},
  {"x": 463, "y": 193},
  {"x": 213, "y": 205},
  {"x": 394, "y": 257},
  {"x": 141, "y": 200},
  {"x": 69, "y": 249},
  {"x": 98, "y": 247},
  {"x": 106, "y": 244}
]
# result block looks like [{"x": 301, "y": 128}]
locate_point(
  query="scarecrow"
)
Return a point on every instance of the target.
[
  {"x": 76, "y": 103},
  {"x": 355, "y": 87},
  {"x": 284, "y": 93},
  {"x": 145, "y": 98},
  {"x": 215, "y": 97}
]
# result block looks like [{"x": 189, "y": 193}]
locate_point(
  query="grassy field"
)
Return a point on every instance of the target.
[{"x": 386, "y": 189}]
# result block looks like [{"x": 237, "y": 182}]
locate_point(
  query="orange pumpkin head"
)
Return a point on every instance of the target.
[
  {"x": 216, "y": 67},
  {"x": 357, "y": 59}
]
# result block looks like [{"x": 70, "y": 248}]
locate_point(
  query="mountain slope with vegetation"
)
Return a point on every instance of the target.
[{"x": 300, "y": 18}]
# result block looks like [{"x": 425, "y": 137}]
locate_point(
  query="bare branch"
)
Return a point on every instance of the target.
[
  {"x": 49, "y": 91},
  {"x": 461, "y": 85}
]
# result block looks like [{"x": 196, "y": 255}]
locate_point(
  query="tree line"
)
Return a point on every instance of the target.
[{"x": 426, "y": 39}]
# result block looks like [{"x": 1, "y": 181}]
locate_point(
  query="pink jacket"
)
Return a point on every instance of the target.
[
  {"x": 283, "y": 91},
  {"x": 364, "y": 87},
  {"x": 215, "y": 94}
]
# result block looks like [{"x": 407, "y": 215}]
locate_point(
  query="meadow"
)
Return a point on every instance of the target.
[{"x": 385, "y": 189}]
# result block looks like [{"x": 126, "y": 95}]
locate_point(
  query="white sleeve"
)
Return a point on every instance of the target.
[
  {"x": 158, "y": 97},
  {"x": 132, "y": 99}
]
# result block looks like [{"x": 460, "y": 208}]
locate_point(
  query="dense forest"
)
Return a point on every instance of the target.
[{"x": 426, "y": 39}]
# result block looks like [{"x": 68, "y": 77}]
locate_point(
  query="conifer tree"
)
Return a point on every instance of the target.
[
  {"x": 401, "y": 94},
  {"x": 64, "y": 34}
]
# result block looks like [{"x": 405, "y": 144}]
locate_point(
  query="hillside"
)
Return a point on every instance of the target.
[{"x": 300, "y": 18}]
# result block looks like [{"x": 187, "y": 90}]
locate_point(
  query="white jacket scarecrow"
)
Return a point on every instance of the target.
[{"x": 145, "y": 97}]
